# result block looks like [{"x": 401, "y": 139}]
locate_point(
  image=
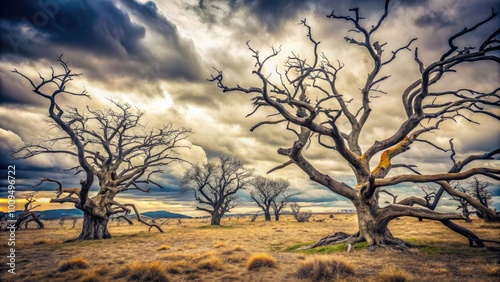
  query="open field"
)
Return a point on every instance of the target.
[{"x": 193, "y": 251}]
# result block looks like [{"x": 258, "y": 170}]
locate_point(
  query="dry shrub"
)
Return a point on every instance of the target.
[
  {"x": 74, "y": 263},
  {"x": 139, "y": 271},
  {"x": 324, "y": 268},
  {"x": 211, "y": 263},
  {"x": 394, "y": 275},
  {"x": 492, "y": 270},
  {"x": 164, "y": 247},
  {"x": 177, "y": 267},
  {"x": 260, "y": 260}
]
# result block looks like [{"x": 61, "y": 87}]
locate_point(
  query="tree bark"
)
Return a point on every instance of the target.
[
  {"x": 277, "y": 216},
  {"x": 94, "y": 228},
  {"x": 267, "y": 215},
  {"x": 215, "y": 219}
]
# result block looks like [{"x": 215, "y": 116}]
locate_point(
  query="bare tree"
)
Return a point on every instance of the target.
[
  {"x": 300, "y": 216},
  {"x": 73, "y": 222},
  {"x": 270, "y": 193},
  {"x": 28, "y": 215},
  {"x": 306, "y": 97},
  {"x": 215, "y": 185},
  {"x": 111, "y": 144},
  {"x": 278, "y": 203},
  {"x": 62, "y": 220},
  {"x": 478, "y": 190}
]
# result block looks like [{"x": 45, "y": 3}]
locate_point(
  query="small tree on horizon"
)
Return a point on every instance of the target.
[
  {"x": 215, "y": 184},
  {"x": 270, "y": 194}
]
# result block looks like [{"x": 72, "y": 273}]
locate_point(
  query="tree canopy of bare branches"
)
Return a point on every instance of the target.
[
  {"x": 112, "y": 145},
  {"x": 305, "y": 96},
  {"x": 270, "y": 194},
  {"x": 215, "y": 185}
]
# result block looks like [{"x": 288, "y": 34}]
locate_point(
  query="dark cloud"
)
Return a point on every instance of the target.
[
  {"x": 434, "y": 19},
  {"x": 97, "y": 27},
  {"x": 271, "y": 14},
  {"x": 101, "y": 37}
]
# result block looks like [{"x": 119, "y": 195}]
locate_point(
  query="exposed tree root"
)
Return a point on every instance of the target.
[{"x": 388, "y": 242}]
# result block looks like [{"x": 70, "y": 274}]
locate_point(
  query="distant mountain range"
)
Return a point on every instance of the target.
[{"x": 60, "y": 213}]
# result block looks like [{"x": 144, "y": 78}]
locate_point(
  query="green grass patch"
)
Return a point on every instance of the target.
[
  {"x": 433, "y": 250},
  {"x": 324, "y": 249}
]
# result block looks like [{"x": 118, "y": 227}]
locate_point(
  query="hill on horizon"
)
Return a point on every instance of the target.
[{"x": 60, "y": 213}]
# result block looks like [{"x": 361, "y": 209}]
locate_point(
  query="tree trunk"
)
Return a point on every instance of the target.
[
  {"x": 276, "y": 216},
  {"x": 94, "y": 228},
  {"x": 267, "y": 215},
  {"x": 215, "y": 219},
  {"x": 372, "y": 229},
  {"x": 95, "y": 218}
]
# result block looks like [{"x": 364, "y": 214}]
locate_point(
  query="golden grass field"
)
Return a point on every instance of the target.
[{"x": 250, "y": 251}]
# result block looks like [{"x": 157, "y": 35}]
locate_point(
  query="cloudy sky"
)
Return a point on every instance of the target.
[{"x": 157, "y": 55}]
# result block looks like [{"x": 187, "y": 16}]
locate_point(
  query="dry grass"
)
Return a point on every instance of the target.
[
  {"x": 261, "y": 260},
  {"x": 211, "y": 263},
  {"x": 394, "y": 275},
  {"x": 219, "y": 245},
  {"x": 40, "y": 242},
  {"x": 492, "y": 270},
  {"x": 91, "y": 277},
  {"x": 320, "y": 268},
  {"x": 164, "y": 247},
  {"x": 74, "y": 263},
  {"x": 441, "y": 254},
  {"x": 139, "y": 271}
]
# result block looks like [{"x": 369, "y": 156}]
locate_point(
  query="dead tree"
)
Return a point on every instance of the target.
[
  {"x": 74, "y": 220},
  {"x": 111, "y": 144},
  {"x": 478, "y": 190},
  {"x": 269, "y": 193},
  {"x": 305, "y": 96},
  {"x": 298, "y": 215},
  {"x": 253, "y": 218},
  {"x": 28, "y": 215},
  {"x": 215, "y": 185},
  {"x": 62, "y": 220},
  {"x": 3, "y": 221},
  {"x": 278, "y": 203}
]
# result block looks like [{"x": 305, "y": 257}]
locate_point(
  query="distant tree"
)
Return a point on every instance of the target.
[
  {"x": 74, "y": 220},
  {"x": 112, "y": 145},
  {"x": 477, "y": 189},
  {"x": 215, "y": 185},
  {"x": 270, "y": 193},
  {"x": 62, "y": 220},
  {"x": 28, "y": 215},
  {"x": 300, "y": 216},
  {"x": 309, "y": 97}
]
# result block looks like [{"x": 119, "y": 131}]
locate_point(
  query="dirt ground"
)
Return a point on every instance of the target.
[{"x": 193, "y": 251}]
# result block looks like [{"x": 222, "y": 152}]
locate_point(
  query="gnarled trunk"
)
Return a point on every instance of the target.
[
  {"x": 95, "y": 218},
  {"x": 216, "y": 217},
  {"x": 372, "y": 229},
  {"x": 94, "y": 228},
  {"x": 276, "y": 216}
]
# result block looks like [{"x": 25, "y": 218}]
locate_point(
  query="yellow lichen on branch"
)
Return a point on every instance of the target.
[{"x": 385, "y": 158}]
